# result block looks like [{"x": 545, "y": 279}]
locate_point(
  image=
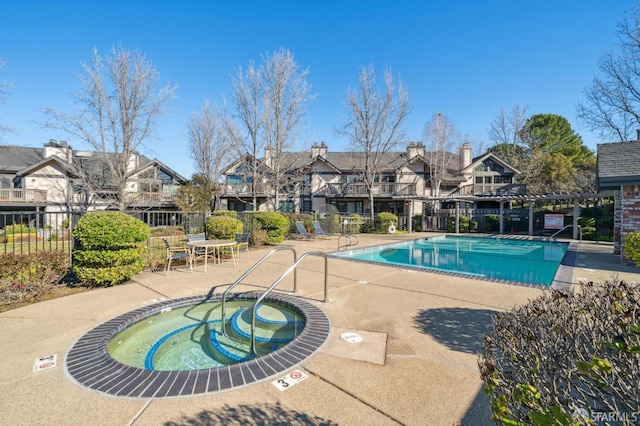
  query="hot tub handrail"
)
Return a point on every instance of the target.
[
  {"x": 250, "y": 270},
  {"x": 252, "y": 348}
]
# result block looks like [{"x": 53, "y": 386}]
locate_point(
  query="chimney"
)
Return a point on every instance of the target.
[
  {"x": 465, "y": 155},
  {"x": 638, "y": 134},
  {"x": 60, "y": 150},
  {"x": 414, "y": 150},
  {"x": 319, "y": 150},
  {"x": 267, "y": 157}
]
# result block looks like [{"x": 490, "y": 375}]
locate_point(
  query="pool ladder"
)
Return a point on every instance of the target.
[
  {"x": 292, "y": 268},
  {"x": 350, "y": 240}
]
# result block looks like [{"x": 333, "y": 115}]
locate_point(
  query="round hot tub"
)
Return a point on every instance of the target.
[{"x": 178, "y": 347}]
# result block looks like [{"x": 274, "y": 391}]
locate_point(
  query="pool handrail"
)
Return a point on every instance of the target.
[
  {"x": 252, "y": 348},
  {"x": 349, "y": 241},
  {"x": 568, "y": 226},
  {"x": 250, "y": 270}
]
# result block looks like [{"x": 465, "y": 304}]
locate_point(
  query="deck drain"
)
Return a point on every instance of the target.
[{"x": 351, "y": 337}]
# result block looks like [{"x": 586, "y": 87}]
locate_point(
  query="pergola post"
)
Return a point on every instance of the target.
[
  {"x": 457, "y": 217},
  {"x": 501, "y": 216},
  {"x": 531, "y": 212},
  {"x": 576, "y": 212}
]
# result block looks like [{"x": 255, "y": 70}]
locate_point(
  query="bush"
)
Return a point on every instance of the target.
[
  {"x": 257, "y": 238},
  {"x": 416, "y": 223},
  {"x": 383, "y": 221},
  {"x": 631, "y": 247},
  {"x": 464, "y": 224},
  {"x": 276, "y": 224},
  {"x": 229, "y": 213},
  {"x": 23, "y": 276},
  {"x": 491, "y": 223},
  {"x": 565, "y": 358},
  {"x": 223, "y": 227},
  {"x": 19, "y": 229},
  {"x": 109, "y": 248}
]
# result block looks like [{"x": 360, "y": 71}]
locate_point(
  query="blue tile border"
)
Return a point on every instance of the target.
[{"x": 89, "y": 364}]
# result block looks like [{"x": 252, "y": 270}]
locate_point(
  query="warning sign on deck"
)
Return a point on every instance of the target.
[
  {"x": 44, "y": 363},
  {"x": 289, "y": 380}
]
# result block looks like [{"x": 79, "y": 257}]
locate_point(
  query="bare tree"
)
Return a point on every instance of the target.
[
  {"x": 286, "y": 95},
  {"x": 440, "y": 136},
  {"x": 374, "y": 122},
  {"x": 612, "y": 102},
  {"x": 269, "y": 104},
  {"x": 5, "y": 86},
  {"x": 117, "y": 111},
  {"x": 246, "y": 135},
  {"x": 209, "y": 143},
  {"x": 514, "y": 143}
]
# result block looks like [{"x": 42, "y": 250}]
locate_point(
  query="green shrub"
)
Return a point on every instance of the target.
[
  {"x": 383, "y": 221},
  {"x": 109, "y": 248},
  {"x": 416, "y": 223},
  {"x": 19, "y": 229},
  {"x": 23, "y": 276},
  {"x": 562, "y": 358},
  {"x": 491, "y": 223},
  {"x": 109, "y": 230},
  {"x": 464, "y": 224},
  {"x": 276, "y": 224},
  {"x": 631, "y": 247},
  {"x": 223, "y": 227},
  {"x": 229, "y": 213}
]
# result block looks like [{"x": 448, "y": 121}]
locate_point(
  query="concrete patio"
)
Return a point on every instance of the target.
[{"x": 416, "y": 364}]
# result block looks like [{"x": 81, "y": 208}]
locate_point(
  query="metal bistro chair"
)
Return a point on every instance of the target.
[
  {"x": 242, "y": 240},
  {"x": 175, "y": 254},
  {"x": 197, "y": 252}
]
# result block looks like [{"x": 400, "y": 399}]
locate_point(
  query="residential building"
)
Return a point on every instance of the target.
[
  {"x": 618, "y": 173},
  {"x": 322, "y": 180},
  {"x": 58, "y": 178}
]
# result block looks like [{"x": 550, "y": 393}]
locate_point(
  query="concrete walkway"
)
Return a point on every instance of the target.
[{"x": 416, "y": 365}]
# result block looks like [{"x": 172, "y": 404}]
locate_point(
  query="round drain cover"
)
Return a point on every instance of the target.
[{"x": 351, "y": 337}]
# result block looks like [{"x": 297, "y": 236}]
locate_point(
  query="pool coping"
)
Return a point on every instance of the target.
[
  {"x": 562, "y": 280},
  {"x": 90, "y": 365}
]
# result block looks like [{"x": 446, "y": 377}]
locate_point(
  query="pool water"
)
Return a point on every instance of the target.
[
  {"x": 190, "y": 338},
  {"x": 522, "y": 261}
]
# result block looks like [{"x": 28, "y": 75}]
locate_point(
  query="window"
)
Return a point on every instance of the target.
[
  {"x": 487, "y": 179},
  {"x": 286, "y": 206},
  {"x": 479, "y": 179},
  {"x": 502, "y": 179},
  {"x": 162, "y": 175},
  {"x": 5, "y": 181}
]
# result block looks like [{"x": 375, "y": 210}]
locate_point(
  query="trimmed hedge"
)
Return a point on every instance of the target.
[
  {"x": 223, "y": 227},
  {"x": 383, "y": 221},
  {"x": 109, "y": 248},
  {"x": 276, "y": 224}
]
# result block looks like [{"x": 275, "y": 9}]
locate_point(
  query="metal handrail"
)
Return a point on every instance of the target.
[
  {"x": 349, "y": 242},
  {"x": 252, "y": 348},
  {"x": 250, "y": 270},
  {"x": 568, "y": 226}
]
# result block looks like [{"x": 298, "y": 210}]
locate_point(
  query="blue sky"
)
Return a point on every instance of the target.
[{"x": 465, "y": 59}]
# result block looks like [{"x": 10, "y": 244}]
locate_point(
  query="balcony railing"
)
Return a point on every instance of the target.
[
  {"x": 26, "y": 196},
  {"x": 360, "y": 189},
  {"x": 151, "y": 198},
  {"x": 243, "y": 189}
]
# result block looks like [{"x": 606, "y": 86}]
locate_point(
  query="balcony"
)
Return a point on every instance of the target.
[
  {"x": 379, "y": 190},
  {"x": 152, "y": 199},
  {"x": 23, "y": 196},
  {"x": 244, "y": 190}
]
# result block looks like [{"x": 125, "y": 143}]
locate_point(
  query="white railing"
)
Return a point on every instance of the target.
[{"x": 23, "y": 196}]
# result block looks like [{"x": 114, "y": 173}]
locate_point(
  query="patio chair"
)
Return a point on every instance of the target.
[
  {"x": 319, "y": 231},
  {"x": 302, "y": 231},
  {"x": 197, "y": 252},
  {"x": 175, "y": 254},
  {"x": 242, "y": 240}
]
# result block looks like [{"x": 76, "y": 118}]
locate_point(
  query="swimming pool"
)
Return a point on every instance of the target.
[{"x": 496, "y": 259}]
